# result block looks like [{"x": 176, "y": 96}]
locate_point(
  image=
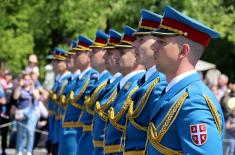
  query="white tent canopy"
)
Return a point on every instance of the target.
[{"x": 204, "y": 66}]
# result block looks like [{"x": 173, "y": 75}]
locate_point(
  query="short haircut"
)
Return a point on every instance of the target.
[{"x": 196, "y": 49}]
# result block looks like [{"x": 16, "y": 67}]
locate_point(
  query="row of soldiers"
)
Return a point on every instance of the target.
[{"x": 118, "y": 101}]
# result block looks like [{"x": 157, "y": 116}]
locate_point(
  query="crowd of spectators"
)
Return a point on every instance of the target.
[{"x": 23, "y": 107}]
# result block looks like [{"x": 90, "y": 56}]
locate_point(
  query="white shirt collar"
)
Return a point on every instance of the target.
[
  {"x": 63, "y": 75},
  {"x": 57, "y": 77},
  {"x": 76, "y": 73},
  {"x": 102, "y": 73},
  {"x": 115, "y": 76},
  {"x": 150, "y": 72},
  {"x": 179, "y": 78},
  {"x": 128, "y": 76},
  {"x": 84, "y": 72}
]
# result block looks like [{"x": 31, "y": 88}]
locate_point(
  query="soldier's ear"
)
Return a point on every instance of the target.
[{"x": 184, "y": 50}]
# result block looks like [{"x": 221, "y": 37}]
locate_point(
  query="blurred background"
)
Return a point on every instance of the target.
[
  {"x": 36, "y": 26},
  {"x": 30, "y": 29}
]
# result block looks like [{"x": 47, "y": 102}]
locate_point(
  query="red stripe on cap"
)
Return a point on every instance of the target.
[
  {"x": 101, "y": 40},
  {"x": 83, "y": 44},
  {"x": 149, "y": 23},
  {"x": 129, "y": 38},
  {"x": 193, "y": 34},
  {"x": 114, "y": 40}
]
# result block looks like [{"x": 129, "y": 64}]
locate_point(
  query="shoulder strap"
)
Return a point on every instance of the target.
[
  {"x": 101, "y": 109},
  {"x": 89, "y": 101},
  {"x": 61, "y": 101},
  {"x": 76, "y": 98},
  {"x": 171, "y": 115},
  {"x": 155, "y": 138},
  {"x": 115, "y": 118},
  {"x": 214, "y": 113},
  {"x": 135, "y": 113}
]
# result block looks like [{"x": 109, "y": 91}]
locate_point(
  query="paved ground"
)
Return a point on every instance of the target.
[{"x": 36, "y": 152}]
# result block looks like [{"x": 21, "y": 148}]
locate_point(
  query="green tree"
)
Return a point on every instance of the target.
[{"x": 38, "y": 26}]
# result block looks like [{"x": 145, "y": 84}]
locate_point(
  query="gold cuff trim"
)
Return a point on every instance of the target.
[
  {"x": 87, "y": 128},
  {"x": 72, "y": 124},
  {"x": 137, "y": 152},
  {"x": 98, "y": 143},
  {"x": 112, "y": 148}
]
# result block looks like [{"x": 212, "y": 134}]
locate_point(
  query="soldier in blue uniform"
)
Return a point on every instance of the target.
[
  {"x": 62, "y": 82},
  {"x": 97, "y": 62},
  {"x": 108, "y": 94},
  {"x": 128, "y": 85},
  {"x": 150, "y": 86},
  {"x": 187, "y": 119},
  {"x": 70, "y": 58},
  {"x": 53, "y": 101},
  {"x": 83, "y": 85},
  {"x": 52, "y": 98},
  {"x": 66, "y": 137}
]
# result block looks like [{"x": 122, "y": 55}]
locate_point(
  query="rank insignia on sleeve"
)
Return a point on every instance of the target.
[{"x": 198, "y": 133}]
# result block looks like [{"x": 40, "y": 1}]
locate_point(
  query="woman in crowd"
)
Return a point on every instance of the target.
[{"x": 26, "y": 117}]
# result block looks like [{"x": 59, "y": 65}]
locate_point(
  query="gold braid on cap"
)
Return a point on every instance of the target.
[{"x": 179, "y": 32}]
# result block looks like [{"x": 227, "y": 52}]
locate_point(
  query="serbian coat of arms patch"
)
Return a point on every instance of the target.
[{"x": 198, "y": 133}]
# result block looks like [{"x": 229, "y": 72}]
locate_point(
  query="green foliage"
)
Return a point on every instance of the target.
[{"x": 38, "y": 26}]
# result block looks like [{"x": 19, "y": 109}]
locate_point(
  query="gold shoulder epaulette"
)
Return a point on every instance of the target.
[{"x": 214, "y": 113}]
